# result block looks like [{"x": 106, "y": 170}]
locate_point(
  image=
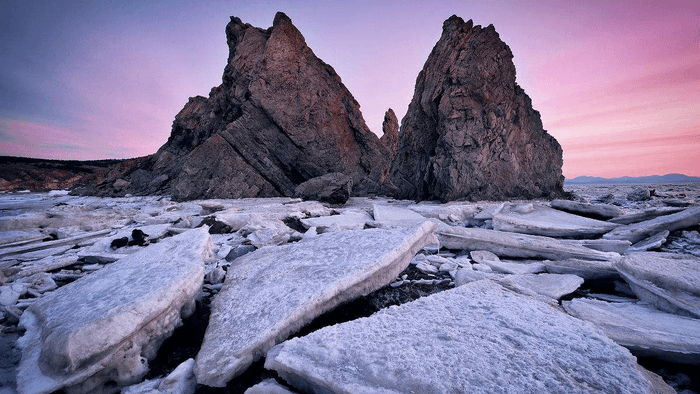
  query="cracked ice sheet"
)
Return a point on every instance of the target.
[
  {"x": 100, "y": 327},
  {"x": 272, "y": 292},
  {"x": 477, "y": 338}
]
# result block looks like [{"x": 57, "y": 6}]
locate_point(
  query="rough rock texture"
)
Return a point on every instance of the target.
[
  {"x": 470, "y": 131},
  {"x": 477, "y": 338},
  {"x": 390, "y": 127},
  {"x": 281, "y": 117}
]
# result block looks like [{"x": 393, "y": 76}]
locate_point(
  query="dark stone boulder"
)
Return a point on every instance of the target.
[
  {"x": 470, "y": 131},
  {"x": 333, "y": 188}
]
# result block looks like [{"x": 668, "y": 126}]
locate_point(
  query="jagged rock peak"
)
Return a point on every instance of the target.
[
  {"x": 390, "y": 128},
  {"x": 470, "y": 131},
  {"x": 280, "y": 117}
]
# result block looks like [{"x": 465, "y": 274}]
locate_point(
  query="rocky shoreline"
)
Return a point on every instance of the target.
[{"x": 373, "y": 262}]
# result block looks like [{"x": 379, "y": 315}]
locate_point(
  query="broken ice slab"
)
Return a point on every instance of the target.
[
  {"x": 346, "y": 221},
  {"x": 507, "y": 244},
  {"x": 268, "y": 386},
  {"x": 451, "y": 212},
  {"x": 669, "y": 281},
  {"x": 241, "y": 211},
  {"x": 653, "y": 242},
  {"x": 72, "y": 241},
  {"x": 477, "y": 338},
  {"x": 643, "y": 329},
  {"x": 392, "y": 216},
  {"x": 551, "y": 285},
  {"x": 507, "y": 267},
  {"x": 587, "y": 269},
  {"x": 543, "y": 220},
  {"x": 99, "y": 332},
  {"x": 604, "y": 245},
  {"x": 272, "y": 292},
  {"x": 179, "y": 381},
  {"x": 639, "y": 231},
  {"x": 593, "y": 211},
  {"x": 647, "y": 214}
]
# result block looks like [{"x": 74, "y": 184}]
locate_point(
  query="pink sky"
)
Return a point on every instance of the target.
[{"x": 616, "y": 83}]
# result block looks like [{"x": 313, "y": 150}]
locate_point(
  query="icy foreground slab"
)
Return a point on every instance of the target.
[
  {"x": 643, "y": 329},
  {"x": 103, "y": 329},
  {"x": 476, "y": 338},
  {"x": 506, "y": 244},
  {"x": 272, "y": 292},
  {"x": 669, "y": 281},
  {"x": 542, "y": 220}
]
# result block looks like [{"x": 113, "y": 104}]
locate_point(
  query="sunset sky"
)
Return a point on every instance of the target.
[{"x": 617, "y": 82}]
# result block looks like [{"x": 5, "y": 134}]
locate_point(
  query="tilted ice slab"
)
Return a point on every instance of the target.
[
  {"x": 506, "y": 244},
  {"x": 550, "y": 285},
  {"x": 272, "y": 292},
  {"x": 595, "y": 211},
  {"x": 476, "y": 338},
  {"x": 669, "y": 281},
  {"x": 643, "y": 329},
  {"x": 390, "y": 216},
  {"x": 586, "y": 269},
  {"x": 639, "y": 231},
  {"x": 105, "y": 326},
  {"x": 543, "y": 220},
  {"x": 604, "y": 245}
]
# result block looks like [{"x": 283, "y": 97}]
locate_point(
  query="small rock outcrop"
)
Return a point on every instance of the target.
[
  {"x": 470, "y": 131},
  {"x": 334, "y": 188},
  {"x": 280, "y": 117}
]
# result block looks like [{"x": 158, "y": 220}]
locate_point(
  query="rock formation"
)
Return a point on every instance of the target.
[
  {"x": 470, "y": 131},
  {"x": 390, "y": 127},
  {"x": 281, "y": 117}
]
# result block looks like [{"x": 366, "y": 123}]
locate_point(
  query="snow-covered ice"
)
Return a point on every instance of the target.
[
  {"x": 272, "y": 292},
  {"x": 477, "y": 338},
  {"x": 107, "y": 325}
]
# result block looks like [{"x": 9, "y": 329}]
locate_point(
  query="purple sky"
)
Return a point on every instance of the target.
[{"x": 617, "y": 83}]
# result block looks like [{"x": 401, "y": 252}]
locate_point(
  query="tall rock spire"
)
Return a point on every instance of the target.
[{"x": 470, "y": 131}]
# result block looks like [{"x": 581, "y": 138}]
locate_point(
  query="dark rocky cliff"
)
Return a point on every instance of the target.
[
  {"x": 280, "y": 117},
  {"x": 470, "y": 131}
]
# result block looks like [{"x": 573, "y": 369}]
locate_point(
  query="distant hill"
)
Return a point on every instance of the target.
[
  {"x": 668, "y": 178},
  {"x": 24, "y": 173}
]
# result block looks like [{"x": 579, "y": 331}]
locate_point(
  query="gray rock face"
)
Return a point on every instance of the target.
[
  {"x": 274, "y": 291},
  {"x": 281, "y": 117},
  {"x": 510, "y": 342},
  {"x": 106, "y": 326},
  {"x": 470, "y": 131}
]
